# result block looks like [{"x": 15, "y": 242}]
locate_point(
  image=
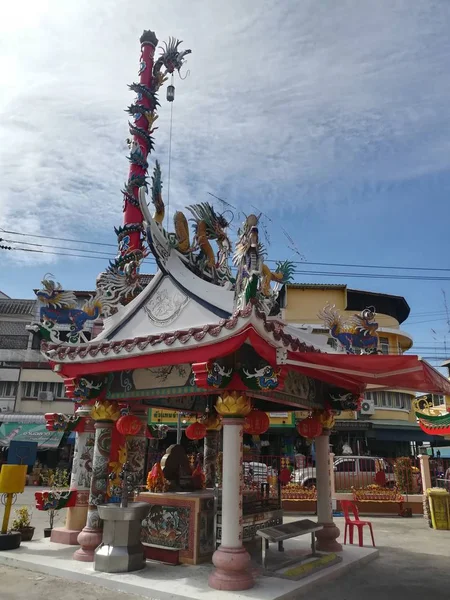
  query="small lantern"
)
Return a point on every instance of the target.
[
  {"x": 310, "y": 428},
  {"x": 170, "y": 93},
  {"x": 256, "y": 423},
  {"x": 129, "y": 425},
  {"x": 196, "y": 431}
]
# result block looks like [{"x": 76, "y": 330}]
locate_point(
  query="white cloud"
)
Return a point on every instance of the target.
[{"x": 286, "y": 103}]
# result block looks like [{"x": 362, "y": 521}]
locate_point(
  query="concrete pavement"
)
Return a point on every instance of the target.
[{"x": 414, "y": 564}]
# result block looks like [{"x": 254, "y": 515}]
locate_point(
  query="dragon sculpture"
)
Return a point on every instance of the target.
[
  {"x": 207, "y": 225},
  {"x": 59, "y": 312},
  {"x": 431, "y": 420},
  {"x": 253, "y": 275},
  {"x": 358, "y": 335}
]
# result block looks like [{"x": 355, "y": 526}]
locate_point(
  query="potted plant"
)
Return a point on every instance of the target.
[
  {"x": 22, "y": 523},
  {"x": 55, "y": 498}
]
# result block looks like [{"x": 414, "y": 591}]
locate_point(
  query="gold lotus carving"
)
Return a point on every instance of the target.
[
  {"x": 212, "y": 422},
  {"x": 105, "y": 411},
  {"x": 233, "y": 404},
  {"x": 327, "y": 419}
]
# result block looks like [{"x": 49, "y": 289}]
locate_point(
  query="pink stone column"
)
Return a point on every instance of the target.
[
  {"x": 327, "y": 537},
  {"x": 232, "y": 561},
  {"x": 210, "y": 451},
  {"x": 91, "y": 535}
]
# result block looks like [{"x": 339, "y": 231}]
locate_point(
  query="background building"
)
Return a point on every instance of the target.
[{"x": 386, "y": 424}]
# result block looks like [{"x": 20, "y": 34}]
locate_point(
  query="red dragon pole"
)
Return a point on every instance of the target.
[
  {"x": 120, "y": 283},
  {"x": 143, "y": 113}
]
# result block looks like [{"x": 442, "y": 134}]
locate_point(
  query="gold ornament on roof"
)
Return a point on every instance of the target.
[
  {"x": 233, "y": 404},
  {"x": 105, "y": 411},
  {"x": 327, "y": 419}
]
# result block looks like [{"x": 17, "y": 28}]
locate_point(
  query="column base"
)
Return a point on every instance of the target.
[
  {"x": 89, "y": 539},
  {"x": 327, "y": 538},
  {"x": 233, "y": 572},
  {"x": 61, "y": 535}
]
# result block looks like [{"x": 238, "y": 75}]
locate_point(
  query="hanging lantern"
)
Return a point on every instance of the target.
[
  {"x": 170, "y": 93},
  {"x": 196, "y": 431},
  {"x": 256, "y": 422},
  {"x": 129, "y": 425},
  {"x": 310, "y": 428}
]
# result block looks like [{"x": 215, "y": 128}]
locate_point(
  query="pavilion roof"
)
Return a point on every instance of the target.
[{"x": 271, "y": 329}]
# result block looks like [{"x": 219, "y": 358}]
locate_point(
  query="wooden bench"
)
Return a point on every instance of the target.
[{"x": 279, "y": 533}]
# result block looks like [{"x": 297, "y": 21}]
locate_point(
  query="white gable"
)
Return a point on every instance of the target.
[{"x": 162, "y": 306}]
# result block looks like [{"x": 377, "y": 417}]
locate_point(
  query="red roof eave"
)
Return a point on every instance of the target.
[
  {"x": 406, "y": 372},
  {"x": 214, "y": 349}
]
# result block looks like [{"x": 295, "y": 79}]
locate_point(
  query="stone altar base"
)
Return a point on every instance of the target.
[
  {"x": 186, "y": 582},
  {"x": 61, "y": 535}
]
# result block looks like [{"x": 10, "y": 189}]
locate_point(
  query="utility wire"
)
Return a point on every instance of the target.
[
  {"x": 303, "y": 263},
  {"x": 102, "y": 252},
  {"x": 305, "y": 273},
  {"x": 60, "y": 239}
]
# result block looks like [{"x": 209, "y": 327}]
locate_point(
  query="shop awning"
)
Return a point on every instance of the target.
[
  {"x": 30, "y": 432},
  {"x": 361, "y": 372},
  {"x": 399, "y": 435}
]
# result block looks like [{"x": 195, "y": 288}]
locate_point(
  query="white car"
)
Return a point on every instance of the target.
[{"x": 350, "y": 471}]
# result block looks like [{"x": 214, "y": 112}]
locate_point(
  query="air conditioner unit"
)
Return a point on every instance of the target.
[
  {"x": 367, "y": 407},
  {"x": 45, "y": 396}
]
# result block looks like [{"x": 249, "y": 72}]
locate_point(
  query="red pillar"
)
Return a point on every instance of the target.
[{"x": 141, "y": 112}]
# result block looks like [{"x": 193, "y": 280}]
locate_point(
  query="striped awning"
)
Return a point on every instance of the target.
[{"x": 21, "y": 418}]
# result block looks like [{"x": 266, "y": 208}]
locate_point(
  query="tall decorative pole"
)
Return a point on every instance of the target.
[
  {"x": 141, "y": 144},
  {"x": 105, "y": 415},
  {"x": 120, "y": 283},
  {"x": 231, "y": 560}
]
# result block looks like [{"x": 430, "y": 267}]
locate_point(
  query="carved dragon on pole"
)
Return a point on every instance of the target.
[{"x": 119, "y": 284}]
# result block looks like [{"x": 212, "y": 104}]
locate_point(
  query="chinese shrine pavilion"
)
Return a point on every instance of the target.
[{"x": 205, "y": 336}]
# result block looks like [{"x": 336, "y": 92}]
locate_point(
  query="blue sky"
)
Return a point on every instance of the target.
[{"x": 331, "y": 117}]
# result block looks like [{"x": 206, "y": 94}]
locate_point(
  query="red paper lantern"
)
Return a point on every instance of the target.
[
  {"x": 196, "y": 431},
  {"x": 310, "y": 427},
  {"x": 129, "y": 425},
  {"x": 256, "y": 422}
]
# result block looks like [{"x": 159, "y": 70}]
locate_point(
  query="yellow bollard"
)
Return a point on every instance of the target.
[
  {"x": 12, "y": 481},
  {"x": 8, "y": 504}
]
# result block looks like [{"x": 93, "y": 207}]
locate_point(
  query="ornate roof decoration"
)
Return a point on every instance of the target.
[
  {"x": 63, "y": 352},
  {"x": 431, "y": 420},
  {"x": 357, "y": 335}
]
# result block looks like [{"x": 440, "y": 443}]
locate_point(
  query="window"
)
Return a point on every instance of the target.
[
  {"x": 367, "y": 465},
  {"x": 8, "y": 389},
  {"x": 346, "y": 466},
  {"x": 438, "y": 400},
  {"x": 383, "y": 343},
  {"x": 32, "y": 389}
]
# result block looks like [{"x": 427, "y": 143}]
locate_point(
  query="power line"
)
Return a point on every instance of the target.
[
  {"x": 61, "y": 253},
  {"x": 51, "y": 246},
  {"x": 371, "y": 275},
  {"x": 60, "y": 239},
  {"x": 303, "y": 263},
  {"x": 323, "y": 264}
]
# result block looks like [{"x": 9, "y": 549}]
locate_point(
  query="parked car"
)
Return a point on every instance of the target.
[
  {"x": 255, "y": 472},
  {"x": 352, "y": 471}
]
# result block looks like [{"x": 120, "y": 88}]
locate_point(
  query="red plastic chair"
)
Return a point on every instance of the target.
[{"x": 350, "y": 524}]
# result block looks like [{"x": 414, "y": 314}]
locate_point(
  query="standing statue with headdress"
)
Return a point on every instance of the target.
[{"x": 254, "y": 277}]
